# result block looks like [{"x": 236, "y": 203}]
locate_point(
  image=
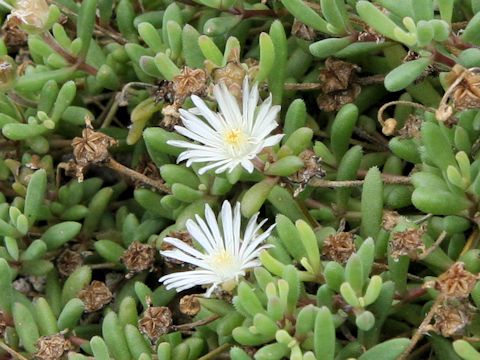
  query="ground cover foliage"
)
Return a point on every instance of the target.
[{"x": 235, "y": 179}]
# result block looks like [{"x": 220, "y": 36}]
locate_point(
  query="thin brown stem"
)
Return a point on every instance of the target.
[
  {"x": 195, "y": 324},
  {"x": 387, "y": 179},
  {"x": 363, "y": 81},
  {"x": 136, "y": 176},
  {"x": 400, "y": 102},
  {"x": 78, "y": 63},
  {"x": 420, "y": 331},
  {"x": 435, "y": 246},
  {"x": 12, "y": 352}
]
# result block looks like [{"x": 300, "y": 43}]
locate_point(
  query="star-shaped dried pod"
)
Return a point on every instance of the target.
[
  {"x": 338, "y": 247},
  {"x": 455, "y": 283},
  {"x": 339, "y": 84},
  {"x": 52, "y": 347},
  {"x": 155, "y": 322},
  {"x": 407, "y": 243},
  {"x": 95, "y": 296},
  {"x": 451, "y": 317},
  {"x": 91, "y": 148}
]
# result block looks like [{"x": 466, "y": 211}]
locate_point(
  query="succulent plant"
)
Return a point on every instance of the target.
[{"x": 236, "y": 179}]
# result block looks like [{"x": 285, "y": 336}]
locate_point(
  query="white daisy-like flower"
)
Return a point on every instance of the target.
[
  {"x": 227, "y": 251},
  {"x": 230, "y": 137}
]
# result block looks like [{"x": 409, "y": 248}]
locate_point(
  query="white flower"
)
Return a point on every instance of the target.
[
  {"x": 226, "y": 255},
  {"x": 33, "y": 13},
  {"x": 231, "y": 137}
]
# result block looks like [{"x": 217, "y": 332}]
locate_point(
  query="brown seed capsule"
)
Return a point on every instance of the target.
[
  {"x": 190, "y": 81},
  {"x": 407, "y": 243},
  {"x": 302, "y": 31},
  {"x": 313, "y": 168},
  {"x": 8, "y": 70},
  {"x": 155, "y": 322},
  {"x": 339, "y": 84},
  {"x": 13, "y": 36},
  {"x": 189, "y": 305},
  {"x": 452, "y": 317},
  {"x": 95, "y": 296},
  {"x": 91, "y": 148},
  {"x": 68, "y": 262},
  {"x": 456, "y": 282},
  {"x": 411, "y": 128},
  {"x": 338, "y": 247},
  {"x": 139, "y": 257},
  {"x": 390, "y": 219},
  {"x": 52, "y": 347}
]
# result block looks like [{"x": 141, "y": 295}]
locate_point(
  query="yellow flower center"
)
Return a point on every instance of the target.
[
  {"x": 235, "y": 137},
  {"x": 222, "y": 259}
]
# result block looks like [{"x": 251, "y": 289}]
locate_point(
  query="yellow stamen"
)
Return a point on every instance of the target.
[{"x": 235, "y": 137}]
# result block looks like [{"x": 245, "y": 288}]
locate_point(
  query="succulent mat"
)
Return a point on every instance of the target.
[{"x": 231, "y": 179}]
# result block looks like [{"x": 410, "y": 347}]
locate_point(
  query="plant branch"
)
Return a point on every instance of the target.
[
  {"x": 136, "y": 176},
  {"x": 195, "y": 323},
  {"x": 419, "y": 333},
  {"x": 387, "y": 179},
  {"x": 78, "y": 63},
  {"x": 12, "y": 352}
]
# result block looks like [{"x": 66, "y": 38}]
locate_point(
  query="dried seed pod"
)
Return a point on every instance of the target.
[
  {"x": 68, "y": 261},
  {"x": 155, "y": 322},
  {"x": 95, "y": 296},
  {"x": 451, "y": 317},
  {"x": 390, "y": 219},
  {"x": 338, "y": 247},
  {"x": 139, "y": 257},
  {"x": 52, "y": 347},
  {"x": 188, "y": 82},
  {"x": 455, "y": 283},
  {"x": 407, "y": 243},
  {"x": 189, "y": 305}
]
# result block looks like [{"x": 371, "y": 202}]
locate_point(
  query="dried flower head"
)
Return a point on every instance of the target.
[
  {"x": 407, "y": 243},
  {"x": 188, "y": 82},
  {"x": 13, "y": 36},
  {"x": 227, "y": 252},
  {"x": 466, "y": 84},
  {"x": 456, "y": 282},
  {"x": 190, "y": 305},
  {"x": 313, "y": 168},
  {"x": 95, "y": 296},
  {"x": 234, "y": 136},
  {"x": 302, "y": 31},
  {"x": 7, "y": 72},
  {"x": 390, "y": 219},
  {"x": 339, "y": 86},
  {"x": 411, "y": 128},
  {"x": 451, "y": 317},
  {"x": 139, "y": 257},
  {"x": 31, "y": 14},
  {"x": 69, "y": 261},
  {"x": 338, "y": 247},
  {"x": 155, "y": 322},
  {"x": 52, "y": 347},
  {"x": 91, "y": 148}
]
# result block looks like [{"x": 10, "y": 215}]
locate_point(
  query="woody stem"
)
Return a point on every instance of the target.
[{"x": 132, "y": 174}]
